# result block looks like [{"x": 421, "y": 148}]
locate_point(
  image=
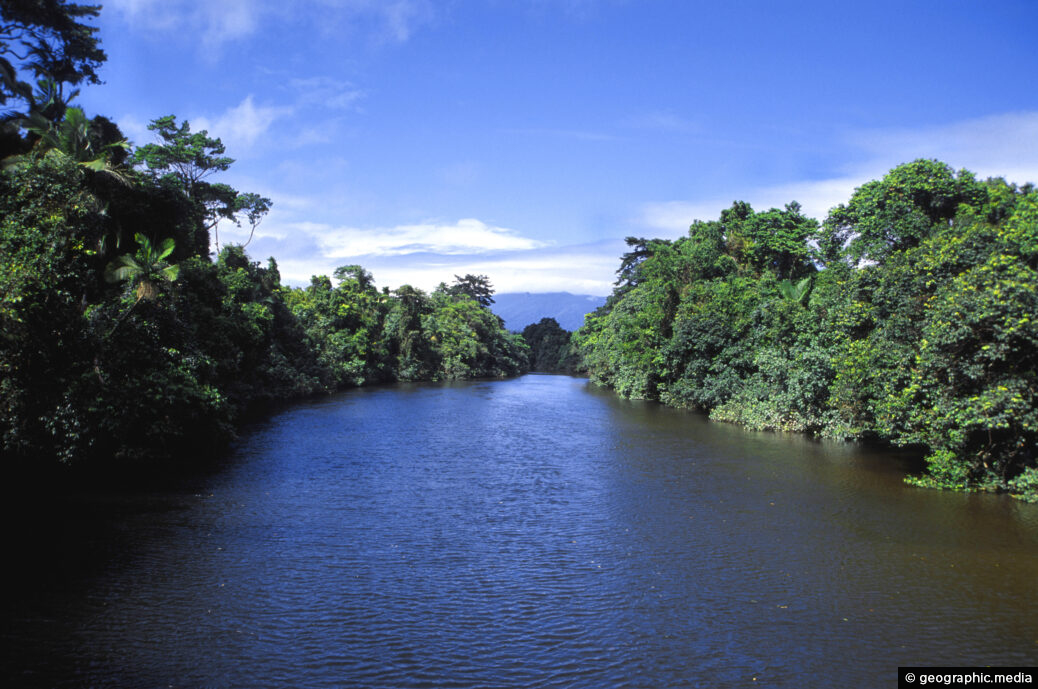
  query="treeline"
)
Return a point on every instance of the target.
[
  {"x": 551, "y": 348},
  {"x": 121, "y": 339},
  {"x": 907, "y": 316}
]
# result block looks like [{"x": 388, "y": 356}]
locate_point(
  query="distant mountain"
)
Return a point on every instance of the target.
[{"x": 520, "y": 309}]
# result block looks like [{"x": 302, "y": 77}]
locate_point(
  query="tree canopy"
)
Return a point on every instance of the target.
[
  {"x": 131, "y": 335},
  {"x": 918, "y": 330},
  {"x": 50, "y": 42}
]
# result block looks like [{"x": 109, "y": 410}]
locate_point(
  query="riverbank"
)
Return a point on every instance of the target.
[{"x": 906, "y": 316}]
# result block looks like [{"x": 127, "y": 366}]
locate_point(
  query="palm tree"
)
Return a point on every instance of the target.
[
  {"x": 145, "y": 268},
  {"x": 72, "y": 137}
]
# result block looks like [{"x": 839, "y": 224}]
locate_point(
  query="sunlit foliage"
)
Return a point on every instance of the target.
[{"x": 906, "y": 317}]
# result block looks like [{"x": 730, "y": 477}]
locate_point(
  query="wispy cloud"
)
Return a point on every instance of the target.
[
  {"x": 672, "y": 218},
  {"x": 1004, "y": 145},
  {"x": 459, "y": 174},
  {"x": 1000, "y": 145},
  {"x": 581, "y": 270},
  {"x": 215, "y": 23},
  {"x": 427, "y": 254},
  {"x": 223, "y": 21},
  {"x": 241, "y": 126},
  {"x": 135, "y": 129},
  {"x": 326, "y": 92},
  {"x": 561, "y": 133},
  {"x": 663, "y": 120}
]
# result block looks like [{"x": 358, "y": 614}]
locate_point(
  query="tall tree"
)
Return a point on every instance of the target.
[
  {"x": 186, "y": 159},
  {"x": 476, "y": 286},
  {"x": 899, "y": 211},
  {"x": 189, "y": 156},
  {"x": 49, "y": 39}
]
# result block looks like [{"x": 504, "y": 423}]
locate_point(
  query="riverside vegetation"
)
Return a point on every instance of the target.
[
  {"x": 122, "y": 339},
  {"x": 906, "y": 316}
]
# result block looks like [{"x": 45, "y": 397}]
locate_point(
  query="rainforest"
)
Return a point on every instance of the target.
[
  {"x": 905, "y": 317},
  {"x": 131, "y": 336}
]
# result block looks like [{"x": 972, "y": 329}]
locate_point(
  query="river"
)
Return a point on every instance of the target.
[{"x": 534, "y": 532}]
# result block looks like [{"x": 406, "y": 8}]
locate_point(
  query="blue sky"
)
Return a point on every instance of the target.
[{"x": 525, "y": 139}]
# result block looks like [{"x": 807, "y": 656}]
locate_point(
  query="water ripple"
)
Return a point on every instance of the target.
[{"x": 530, "y": 534}]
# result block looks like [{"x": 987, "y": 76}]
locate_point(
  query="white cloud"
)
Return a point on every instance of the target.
[
  {"x": 1003, "y": 145},
  {"x": 216, "y": 22},
  {"x": 242, "y": 125},
  {"x": 386, "y": 21},
  {"x": 995, "y": 146},
  {"x": 135, "y": 129},
  {"x": 467, "y": 236},
  {"x": 570, "y": 273},
  {"x": 588, "y": 269},
  {"x": 459, "y": 174},
  {"x": 153, "y": 14},
  {"x": 815, "y": 197},
  {"x": 426, "y": 254},
  {"x": 576, "y": 134},
  {"x": 663, "y": 120},
  {"x": 402, "y": 16},
  {"x": 228, "y": 20}
]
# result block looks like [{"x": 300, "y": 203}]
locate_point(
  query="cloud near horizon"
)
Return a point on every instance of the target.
[
  {"x": 996, "y": 146},
  {"x": 584, "y": 269},
  {"x": 425, "y": 255},
  {"x": 466, "y": 236}
]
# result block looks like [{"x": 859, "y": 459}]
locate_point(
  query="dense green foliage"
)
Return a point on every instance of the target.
[
  {"x": 551, "y": 348},
  {"x": 908, "y": 316},
  {"x": 119, "y": 347},
  {"x": 122, "y": 341},
  {"x": 45, "y": 47}
]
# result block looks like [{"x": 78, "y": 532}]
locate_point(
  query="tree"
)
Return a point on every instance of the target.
[
  {"x": 186, "y": 159},
  {"x": 467, "y": 340},
  {"x": 551, "y": 349},
  {"x": 476, "y": 286},
  {"x": 79, "y": 139},
  {"x": 412, "y": 351},
  {"x": 48, "y": 218},
  {"x": 354, "y": 276},
  {"x": 189, "y": 156},
  {"x": 144, "y": 269},
  {"x": 899, "y": 211},
  {"x": 629, "y": 262},
  {"x": 777, "y": 240},
  {"x": 49, "y": 39},
  {"x": 796, "y": 293}
]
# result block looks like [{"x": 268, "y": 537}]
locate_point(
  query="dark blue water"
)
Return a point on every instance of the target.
[{"x": 525, "y": 533}]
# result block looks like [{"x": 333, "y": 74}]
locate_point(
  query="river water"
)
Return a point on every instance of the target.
[{"x": 535, "y": 532}]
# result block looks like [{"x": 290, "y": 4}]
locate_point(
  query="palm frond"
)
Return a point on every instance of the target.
[
  {"x": 166, "y": 247},
  {"x": 796, "y": 293},
  {"x": 122, "y": 268},
  {"x": 170, "y": 273}
]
